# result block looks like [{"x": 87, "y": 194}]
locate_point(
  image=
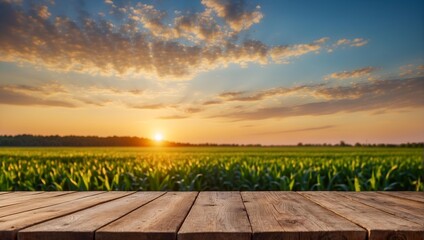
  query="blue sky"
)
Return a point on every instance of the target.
[{"x": 271, "y": 72}]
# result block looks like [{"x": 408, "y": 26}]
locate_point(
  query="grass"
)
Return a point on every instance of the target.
[{"x": 213, "y": 168}]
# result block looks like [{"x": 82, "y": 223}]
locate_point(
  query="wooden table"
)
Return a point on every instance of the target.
[{"x": 211, "y": 215}]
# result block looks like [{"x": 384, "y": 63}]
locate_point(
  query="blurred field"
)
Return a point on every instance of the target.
[{"x": 212, "y": 168}]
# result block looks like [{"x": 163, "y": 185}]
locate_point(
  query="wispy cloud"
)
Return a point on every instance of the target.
[
  {"x": 357, "y": 73},
  {"x": 212, "y": 102},
  {"x": 260, "y": 95},
  {"x": 12, "y": 96},
  {"x": 45, "y": 89},
  {"x": 146, "y": 41},
  {"x": 53, "y": 93},
  {"x": 299, "y": 130},
  {"x": 411, "y": 70},
  {"x": 173, "y": 117},
  {"x": 149, "y": 106},
  {"x": 192, "y": 110},
  {"x": 366, "y": 96},
  {"x": 357, "y": 42}
]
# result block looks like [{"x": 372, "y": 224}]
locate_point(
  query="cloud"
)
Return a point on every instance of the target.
[
  {"x": 43, "y": 12},
  {"x": 45, "y": 89},
  {"x": 234, "y": 13},
  {"x": 12, "y": 96},
  {"x": 367, "y": 96},
  {"x": 71, "y": 95},
  {"x": 173, "y": 117},
  {"x": 357, "y": 73},
  {"x": 212, "y": 102},
  {"x": 200, "y": 27},
  {"x": 356, "y": 42},
  {"x": 100, "y": 90},
  {"x": 411, "y": 70},
  {"x": 260, "y": 95},
  {"x": 149, "y": 106},
  {"x": 299, "y": 130},
  {"x": 193, "y": 110},
  {"x": 146, "y": 42},
  {"x": 281, "y": 52},
  {"x": 195, "y": 27}
]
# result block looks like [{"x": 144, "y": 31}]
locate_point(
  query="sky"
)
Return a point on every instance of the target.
[{"x": 217, "y": 71}]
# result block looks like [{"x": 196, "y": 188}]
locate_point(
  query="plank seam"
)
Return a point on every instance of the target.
[
  {"x": 381, "y": 210},
  {"x": 33, "y": 224},
  {"x": 2, "y": 206},
  {"x": 48, "y": 205},
  {"x": 185, "y": 217},
  {"x": 95, "y": 231},
  {"x": 247, "y": 214},
  {"x": 396, "y": 196},
  {"x": 357, "y": 224}
]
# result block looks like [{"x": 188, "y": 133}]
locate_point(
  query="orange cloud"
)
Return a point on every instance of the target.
[
  {"x": 55, "y": 94},
  {"x": 367, "y": 96},
  {"x": 357, "y": 73},
  {"x": 43, "y": 12},
  {"x": 18, "y": 95},
  {"x": 173, "y": 117},
  {"x": 411, "y": 70},
  {"x": 261, "y": 95}
]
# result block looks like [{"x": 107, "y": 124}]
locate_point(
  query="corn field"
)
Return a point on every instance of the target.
[{"x": 212, "y": 168}]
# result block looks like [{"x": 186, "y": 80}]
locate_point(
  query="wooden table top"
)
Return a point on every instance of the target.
[{"x": 211, "y": 215}]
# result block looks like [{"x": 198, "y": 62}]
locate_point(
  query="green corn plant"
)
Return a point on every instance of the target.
[{"x": 286, "y": 168}]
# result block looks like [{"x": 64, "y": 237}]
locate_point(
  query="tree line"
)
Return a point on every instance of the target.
[{"x": 28, "y": 140}]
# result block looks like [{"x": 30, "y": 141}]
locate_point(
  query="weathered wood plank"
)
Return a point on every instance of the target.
[
  {"x": 157, "y": 220},
  {"x": 82, "y": 225},
  {"x": 415, "y": 196},
  {"x": 10, "y": 225},
  {"x": 410, "y": 210},
  {"x": 28, "y": 199},
  {"x": 216, "y": 216},
  {"x": 38, "y": 203},
  {"x": 288, "y": 215},
  {"x": 380, "y": 225},
  {"x": 17, "y": 195}
]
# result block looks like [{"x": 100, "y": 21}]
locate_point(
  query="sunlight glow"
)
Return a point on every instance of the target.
[{"x": 158, "y": 137}]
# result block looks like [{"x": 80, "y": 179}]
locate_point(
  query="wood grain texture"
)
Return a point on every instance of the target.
[
  {"x": 380, "y": 225},
  {"x": 157, "y": 220},
  {"x": 82, "y": 225},
  {"x": 288, "y": 215},
  {"x": 10, "y": 225},
  {"x": 29, "y": 199},
  {"x": 415, "y": 196},
  {"x": 216, "y": 216},
  {"x": 407, "y": 209},
  {"x": 39, "y": 202},
  {"x": 11, "y": 195}
]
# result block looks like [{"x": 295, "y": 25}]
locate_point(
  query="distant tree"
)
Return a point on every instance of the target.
[{"x": 343, "y": 144}]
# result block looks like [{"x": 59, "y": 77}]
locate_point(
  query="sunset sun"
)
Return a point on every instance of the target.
[{"x": 158, "y": 137}]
